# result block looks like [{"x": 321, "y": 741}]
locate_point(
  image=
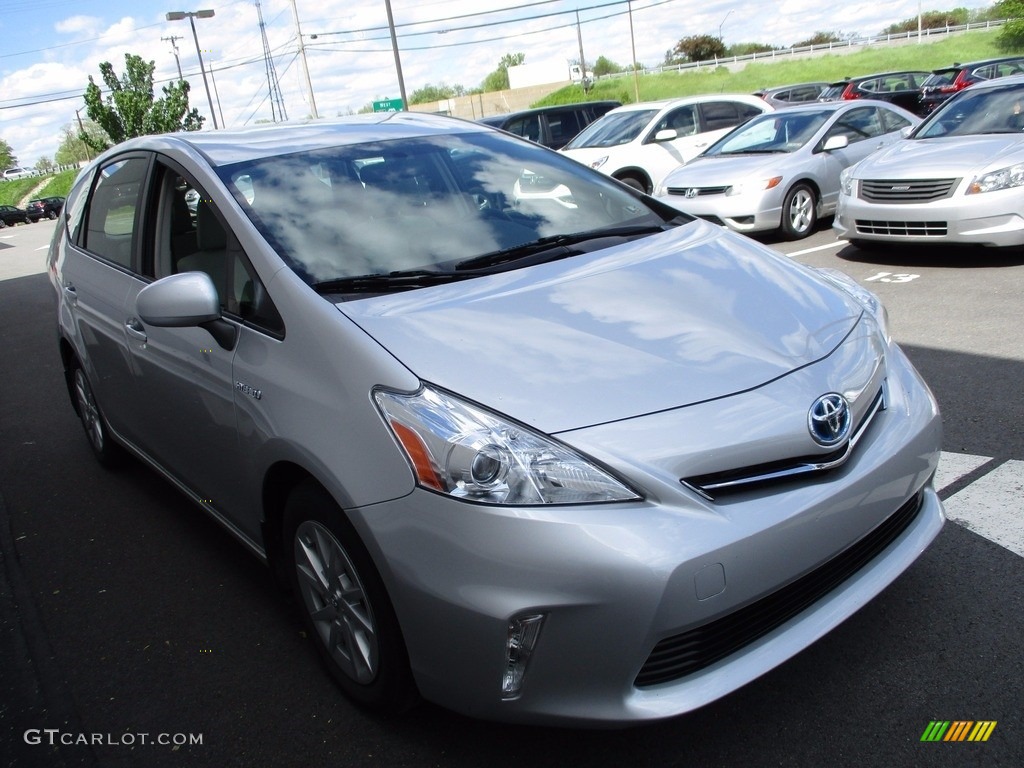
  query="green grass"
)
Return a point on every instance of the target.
[
  {"x": 926, "y": 56},
  {"x": 58, "y": 185}
]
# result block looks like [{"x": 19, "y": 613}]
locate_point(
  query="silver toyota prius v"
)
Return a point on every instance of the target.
[{"x": 522, "y": 441}]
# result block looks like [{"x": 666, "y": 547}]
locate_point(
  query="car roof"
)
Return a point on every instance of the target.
[
  {"x": 859, "y": 78},
  {"x": 492, "y": 119},
  {"x": 978, "y": 63},
  {"x": 227, "y": 146},
  {"x": 663, "y": 104}
]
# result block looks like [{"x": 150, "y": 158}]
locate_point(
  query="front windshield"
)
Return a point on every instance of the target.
[
  {"x": 613, "y": 129},
  {"x": 422, "y": 205},
  {"x": 775, "y": 132},
  {"x": 971, "y": 112}
]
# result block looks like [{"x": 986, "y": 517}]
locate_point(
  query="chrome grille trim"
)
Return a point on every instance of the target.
[
  {"x": 906, "y": 190},
  {"x": 904, "y": 228},
  {"x": 706, "y": 486},
  {"x": 697, "y": 191}
]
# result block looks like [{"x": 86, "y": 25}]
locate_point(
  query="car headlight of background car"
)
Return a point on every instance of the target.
[
  {"x": 1004, "y": 178},
  {"x": 599, "y": 162},
  {"x": 761, "y": 185},
  {"x": 847, "y": 184},
  {"x": 465, "y": 451}
]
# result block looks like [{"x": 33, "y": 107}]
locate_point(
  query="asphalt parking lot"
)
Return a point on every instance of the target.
[{"x": 127, "y": 615}]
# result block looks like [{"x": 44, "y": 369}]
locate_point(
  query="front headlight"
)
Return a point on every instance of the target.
[
  {"x": 462, "y": 450},
  {"x": 599, "y": 162},
  {"x": 761, "y": 185},
  {"x": 864, "y": 297},
  {"x": 1004, "y": 178},
  {"x": 846, "y": 182}
]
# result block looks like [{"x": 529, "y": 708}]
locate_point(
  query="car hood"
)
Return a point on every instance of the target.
[
  {"x": 952, "y": 156},
  {"x": 691, "y": 315},
  {"x": 721, "y": 171}
]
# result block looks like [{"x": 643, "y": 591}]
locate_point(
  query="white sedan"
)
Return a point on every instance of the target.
[{"x": 781, "y": 170}]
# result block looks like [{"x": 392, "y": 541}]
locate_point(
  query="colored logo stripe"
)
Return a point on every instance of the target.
[{"x": 958, "y": 730}]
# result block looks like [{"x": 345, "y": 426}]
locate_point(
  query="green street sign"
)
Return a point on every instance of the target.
[{"x": 388, "y": 105}]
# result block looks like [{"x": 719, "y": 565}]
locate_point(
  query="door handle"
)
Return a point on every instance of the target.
[
  {"x": 71, "y": 294},
  {"x": 135, "y": 329}
]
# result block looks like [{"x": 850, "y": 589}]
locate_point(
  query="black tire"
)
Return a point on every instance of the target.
[
  {"x": 108, "y": 453},
  {"x": 51, "y": 215},
  {"x": 2, "y": 223},
  {"x": 343, "y": 602},
  {"x": 799, "y": 212},
  {"x": 634, "y": 182}
]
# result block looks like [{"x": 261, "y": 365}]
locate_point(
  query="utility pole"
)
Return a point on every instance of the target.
[
  {"x": 398, "y": 60},
  {"x": 305, "y": 65},
  {"x": 583, "y": 62},
  {"x": 173, "y": 39}
]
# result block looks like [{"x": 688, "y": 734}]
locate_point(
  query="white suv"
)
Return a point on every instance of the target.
[
  {"x": 18, "y": 173},
  {"x": 639, "y": 144}
]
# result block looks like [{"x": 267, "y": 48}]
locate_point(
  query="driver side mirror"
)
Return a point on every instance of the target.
[
  {"x": 185, "y": 300},
  {"x": 835, "y": 142}
]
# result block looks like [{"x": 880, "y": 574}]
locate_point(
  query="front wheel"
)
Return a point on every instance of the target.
[
  {"x": 344, "y": 604},
  {"x": 799, "y": 212},
  {"x": 633, "y": 181}
]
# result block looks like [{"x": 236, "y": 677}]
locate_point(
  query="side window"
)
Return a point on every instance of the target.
[
  {"x": 563, "y": 126},
  {"x": 112, "y": 213},
  {"x": 892, "y": 122},
  {"x": 858, "y": 124},
  {"x": 528, "y": 127},
  {"x": 683, "y": 120},
  {"x": 191, "y": 236},
  {"x": 720, "y": 114}
]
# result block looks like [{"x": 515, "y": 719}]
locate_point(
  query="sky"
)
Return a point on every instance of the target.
[{"x": 48, "y": 48}]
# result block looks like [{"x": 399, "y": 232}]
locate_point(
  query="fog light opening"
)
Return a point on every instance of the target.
[{"x": 523, "y": 632}]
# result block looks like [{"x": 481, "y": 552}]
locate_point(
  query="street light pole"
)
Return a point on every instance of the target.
[{"x": 192, "y": 16}]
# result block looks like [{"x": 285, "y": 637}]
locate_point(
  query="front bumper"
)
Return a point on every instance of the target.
[
  {"x": 992, "y": 219},
  {"x": 615, "y": 581},
  {"x": 753, "y": 212}
]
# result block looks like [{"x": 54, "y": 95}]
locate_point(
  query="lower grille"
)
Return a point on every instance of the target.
[
  {"x": 904, "y": 228},
  {"x": 681, "y": 655}
]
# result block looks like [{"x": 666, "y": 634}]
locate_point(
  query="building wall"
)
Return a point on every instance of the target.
[{"x": 494, "y": 103}]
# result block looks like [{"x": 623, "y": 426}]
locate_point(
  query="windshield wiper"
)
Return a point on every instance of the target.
[
  {"x": 386, "y": 283},
  {"x": 554, "y": 246}
]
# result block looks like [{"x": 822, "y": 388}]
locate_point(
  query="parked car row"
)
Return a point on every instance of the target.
[{"x": 45, "y": 207}]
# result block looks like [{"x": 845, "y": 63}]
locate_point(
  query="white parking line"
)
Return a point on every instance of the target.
[
  {"x": 993, "y": 505},
  {"x": 827, "y": 246}
]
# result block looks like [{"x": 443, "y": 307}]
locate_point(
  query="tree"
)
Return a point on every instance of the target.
[
  {"x": 498, "y": 79},
  {"x": 821, "y": 38},
  {"x": 72, "y": 149},
  {"x": 696, "y": 48},
  {"x": 7, "y": 158},
  {"x": 436, "y": 93},
  {"x": 746, "y": 49},
  {"x": 44, "y": 165},
  {"x": 130, "y": 108},
  {"x": 931, "y": 20},
  {"x": 605, "y": 66},
  {"x": 1011, "y": 34}
]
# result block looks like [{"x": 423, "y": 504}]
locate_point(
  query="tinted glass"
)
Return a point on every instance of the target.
[
  {"x": 613, "y": 129},
  {"x": 113, "y": 205},
  {"x": 422, "y": 204}
]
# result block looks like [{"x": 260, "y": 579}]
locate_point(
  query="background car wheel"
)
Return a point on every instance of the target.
[
  {"x": 799, "y": 212},
  {"x": 2, "y": 223},
  {"x": 634, "y": 182},
  {"x": 343, "y": 603},
  {"x": 51, "y": 215},
  {"x": 108, "y": 453}
]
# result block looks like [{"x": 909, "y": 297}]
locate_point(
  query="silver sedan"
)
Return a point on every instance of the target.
[
  {"x": 781, "y": 170},
  {"x": 581, "y": 459},
  {"x": 959, "y": 178}
]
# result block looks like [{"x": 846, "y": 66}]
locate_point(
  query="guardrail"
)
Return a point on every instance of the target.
[{"x": 811, "y": 49}]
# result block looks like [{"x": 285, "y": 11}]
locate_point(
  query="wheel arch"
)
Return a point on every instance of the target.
[{"x": 633, "y": 171}]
